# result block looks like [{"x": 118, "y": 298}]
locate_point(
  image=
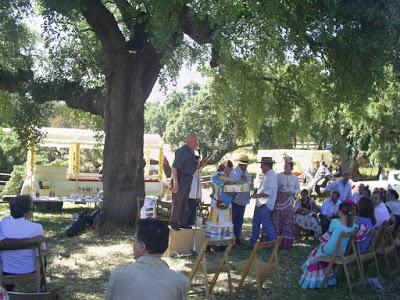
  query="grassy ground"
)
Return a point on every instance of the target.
[{"x": 79, "y": 267}]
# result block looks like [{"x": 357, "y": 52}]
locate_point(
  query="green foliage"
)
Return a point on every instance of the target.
[
  {"x": 16, "y": 41},
  {"x": 288, "y": 69},
  {"x": 154, "y": 119},
  {"x": 192, "y": 111},
  {"x": 28, "y": 116},
  {"x": 377, "y": 131},
  {"x": 65, "y": 117},
  {"x": 59, "y": 163},
  {"x": 14, "y": 184},
  {"x": 12, "y": 151}
]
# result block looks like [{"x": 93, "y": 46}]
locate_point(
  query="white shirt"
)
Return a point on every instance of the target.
[
  {"x": 195, "y": 188},
  {"x": 394, "y": 206},
  {"x": 269, "y": 186},
  {"x": 322, "y": 172},
  {"x": 288, "y": 183},
  {"x": 356, "y": 197},
  {"x": 381, "y": 214},
  {"x": 19, "y": 261},
  {"x": 244, "y": 197},
  {"x": 328, "y": 208},
  {"x": 343, "y": 189}
]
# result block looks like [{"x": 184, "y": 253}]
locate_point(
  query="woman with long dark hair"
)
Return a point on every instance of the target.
[
  {"x": 313, "y": 270},
  {"x": 366, "y": 216}
]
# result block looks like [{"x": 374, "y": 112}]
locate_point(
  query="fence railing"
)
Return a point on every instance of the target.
[{"x": 3, "y": 176}]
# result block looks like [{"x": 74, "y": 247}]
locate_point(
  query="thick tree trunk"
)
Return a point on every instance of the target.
[
  {"x": 349, "y": 156},
  {"x": 123, "y": 148}
]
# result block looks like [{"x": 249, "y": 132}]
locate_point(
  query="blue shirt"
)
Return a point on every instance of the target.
[
  {"x": 241, "y": 198},
  {"x": 336, "y": 228},
  {"x": 364, "y": 244},
  {"x": 343, "y": 189},
  {"x": 184, "y": 161},
  {"x": 218, "y": 189}
]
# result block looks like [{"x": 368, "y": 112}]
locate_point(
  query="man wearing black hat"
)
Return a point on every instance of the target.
[{"x": 265, "y": 202}]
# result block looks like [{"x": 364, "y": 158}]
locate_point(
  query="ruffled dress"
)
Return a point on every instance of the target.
[
  {"x": 219, "y": 225},
  {"x": 313, "y": 270}
]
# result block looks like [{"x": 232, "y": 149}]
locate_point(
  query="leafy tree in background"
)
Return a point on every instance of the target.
[
  {"x": 12, "y": 151},
  {"x": 155, "y": 118},
  {"x": 377, "y": 130},
  {"x": 199, "y": 115},
  {"x": 104, "y": 57}
]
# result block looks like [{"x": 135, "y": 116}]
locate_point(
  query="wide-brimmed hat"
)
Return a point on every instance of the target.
[
  {"x": 289, "y": 160},
  {"x": 243, "y": 159},
  {"x": 266, "y": 160}
]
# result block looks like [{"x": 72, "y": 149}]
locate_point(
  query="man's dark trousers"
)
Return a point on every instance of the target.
[
  {"x": 237, "y": 219},
  {"x": 180, "y": 202}
]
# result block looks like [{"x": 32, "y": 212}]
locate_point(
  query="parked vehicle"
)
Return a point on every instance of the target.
[{"x": 392, "y": 182}]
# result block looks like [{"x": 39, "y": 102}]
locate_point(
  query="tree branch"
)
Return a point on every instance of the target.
[
  {"x": 201, "y": 32},
  {"x": 72, "y": 93},
  {"x": 104, "y": 25},
  {"x": 126, "y": 12},
  {"x": 14, "y": 81},
  {"x": 151, "y": 64}
]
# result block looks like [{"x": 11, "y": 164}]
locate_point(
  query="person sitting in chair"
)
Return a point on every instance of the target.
[
  {"x": 329, "y": 209},
  {"x": 149, "y": 277},
  {"x": 381, "y": 211},
  {"x": 19, "y": 231}
]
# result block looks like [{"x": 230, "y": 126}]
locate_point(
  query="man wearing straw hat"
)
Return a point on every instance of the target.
[
  {"x": 265, "y": 202},
  {"x": 240, "y": 174}
]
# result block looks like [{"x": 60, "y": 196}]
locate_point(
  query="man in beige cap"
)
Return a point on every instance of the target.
[{"x": 240, "y": 174}]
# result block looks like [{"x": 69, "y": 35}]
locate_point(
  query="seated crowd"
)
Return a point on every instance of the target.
[{"x": 365, "y": 213}]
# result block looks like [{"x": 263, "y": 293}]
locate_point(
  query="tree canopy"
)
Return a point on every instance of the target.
[{"x": 104, "y": 57}]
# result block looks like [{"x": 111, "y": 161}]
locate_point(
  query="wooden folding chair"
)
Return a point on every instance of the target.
[
  {"x": 33, "y": 296},
  {"x": 343, "y": 259},
  {"x": 370, "y": 254},
  {"x": 387, "y": 248},
  {"x": 221, "y": 266},
  {"x": 259, "y": 268},
  {"x": 39, "y": 277}
]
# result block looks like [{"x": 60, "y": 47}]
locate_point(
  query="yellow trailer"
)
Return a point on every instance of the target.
[{"x": 59, "y": 184}]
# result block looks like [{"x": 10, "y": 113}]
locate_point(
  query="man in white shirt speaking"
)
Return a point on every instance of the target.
[{"x": 265, "y": 202}]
